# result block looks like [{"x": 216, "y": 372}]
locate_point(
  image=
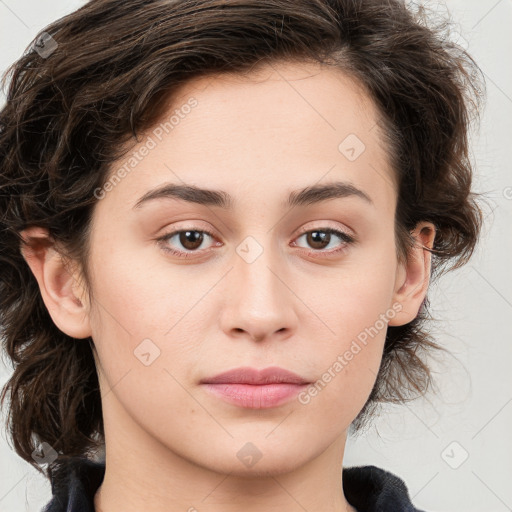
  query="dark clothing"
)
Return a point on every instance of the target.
[{"x": 367, "y": 488}]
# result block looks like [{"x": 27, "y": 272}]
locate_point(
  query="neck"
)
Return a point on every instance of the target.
[{"x": 144, "y": 475}]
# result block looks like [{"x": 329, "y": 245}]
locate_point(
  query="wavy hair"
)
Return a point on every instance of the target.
[{"x": 96, "y": 78}]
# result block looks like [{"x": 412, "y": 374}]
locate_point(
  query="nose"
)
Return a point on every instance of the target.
[{"x": 259, "y": 304}]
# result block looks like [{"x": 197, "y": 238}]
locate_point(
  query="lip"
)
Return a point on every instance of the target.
[
  {"x": 248, "y": 375},
  {"x": 255, "y": 389}
]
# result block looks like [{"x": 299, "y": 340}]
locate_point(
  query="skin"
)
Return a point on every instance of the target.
[{"x": 170, "y": 445}]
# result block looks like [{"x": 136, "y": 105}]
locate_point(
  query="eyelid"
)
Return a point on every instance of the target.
[
  {"x": 347, "y": 231},
  {"x": 189, "y": 225}
]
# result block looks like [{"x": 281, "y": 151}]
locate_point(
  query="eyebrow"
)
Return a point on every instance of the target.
[{"x": 221, "y": 199}]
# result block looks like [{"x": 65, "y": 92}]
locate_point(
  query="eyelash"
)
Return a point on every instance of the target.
[{"x": 347, "y": 239}]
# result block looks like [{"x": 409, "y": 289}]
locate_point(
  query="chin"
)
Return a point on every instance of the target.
[
  {"x": 268, "y": 468},
  {"x": 256, "y": 459}
]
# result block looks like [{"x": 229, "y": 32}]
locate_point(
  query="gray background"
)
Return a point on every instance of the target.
[{"x": 425, "y": 441}]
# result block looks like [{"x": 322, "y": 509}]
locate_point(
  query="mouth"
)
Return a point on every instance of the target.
[{"x": 255, "y": 389}]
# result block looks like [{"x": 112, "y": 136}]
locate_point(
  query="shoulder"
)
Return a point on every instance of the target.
[
  {"x": 372, "y": 489},
  {"x": 74, "y": 484}
]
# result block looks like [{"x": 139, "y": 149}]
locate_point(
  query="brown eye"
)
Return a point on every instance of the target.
[
  {"x": 190, "y": 240},
  {"x": 185, "y": 241},
  {"x": 319, "y": 239}
]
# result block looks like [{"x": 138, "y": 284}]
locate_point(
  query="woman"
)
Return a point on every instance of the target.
[{"x": 220, "y": 220}]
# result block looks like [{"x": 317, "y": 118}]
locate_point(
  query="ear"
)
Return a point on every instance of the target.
[
  {"x": 413, "y": 277},
  {"x": 61, "y": 292}
]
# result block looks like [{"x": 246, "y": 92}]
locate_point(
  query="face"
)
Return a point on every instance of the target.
[{"x": 189, "y": 285}]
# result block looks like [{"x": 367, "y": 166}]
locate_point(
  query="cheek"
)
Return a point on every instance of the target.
[
  {"x": 143, "y": 328},
  {"x": 348, "y": 367},
  {"x": 136, "y": 329},
  {"x": 356, "y": 308},
  {"x": 354, "y": 298},
  {"x": 137, "y": 295}
]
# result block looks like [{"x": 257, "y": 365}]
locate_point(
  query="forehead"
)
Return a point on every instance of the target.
[{"x": 280, "y": 127}]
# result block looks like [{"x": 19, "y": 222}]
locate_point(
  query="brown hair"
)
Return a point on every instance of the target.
[{"x": 70, "y": 112}]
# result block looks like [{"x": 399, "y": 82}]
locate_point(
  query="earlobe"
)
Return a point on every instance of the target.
[
  {"x": 413, "y": 277},
  {"x": 58, "y": 286}
]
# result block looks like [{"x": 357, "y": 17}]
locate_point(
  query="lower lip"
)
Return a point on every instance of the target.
[{"x": 255, "y": 396}]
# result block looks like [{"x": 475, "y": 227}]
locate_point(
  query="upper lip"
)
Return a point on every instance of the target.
[{"x": 248, "y": 375}]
